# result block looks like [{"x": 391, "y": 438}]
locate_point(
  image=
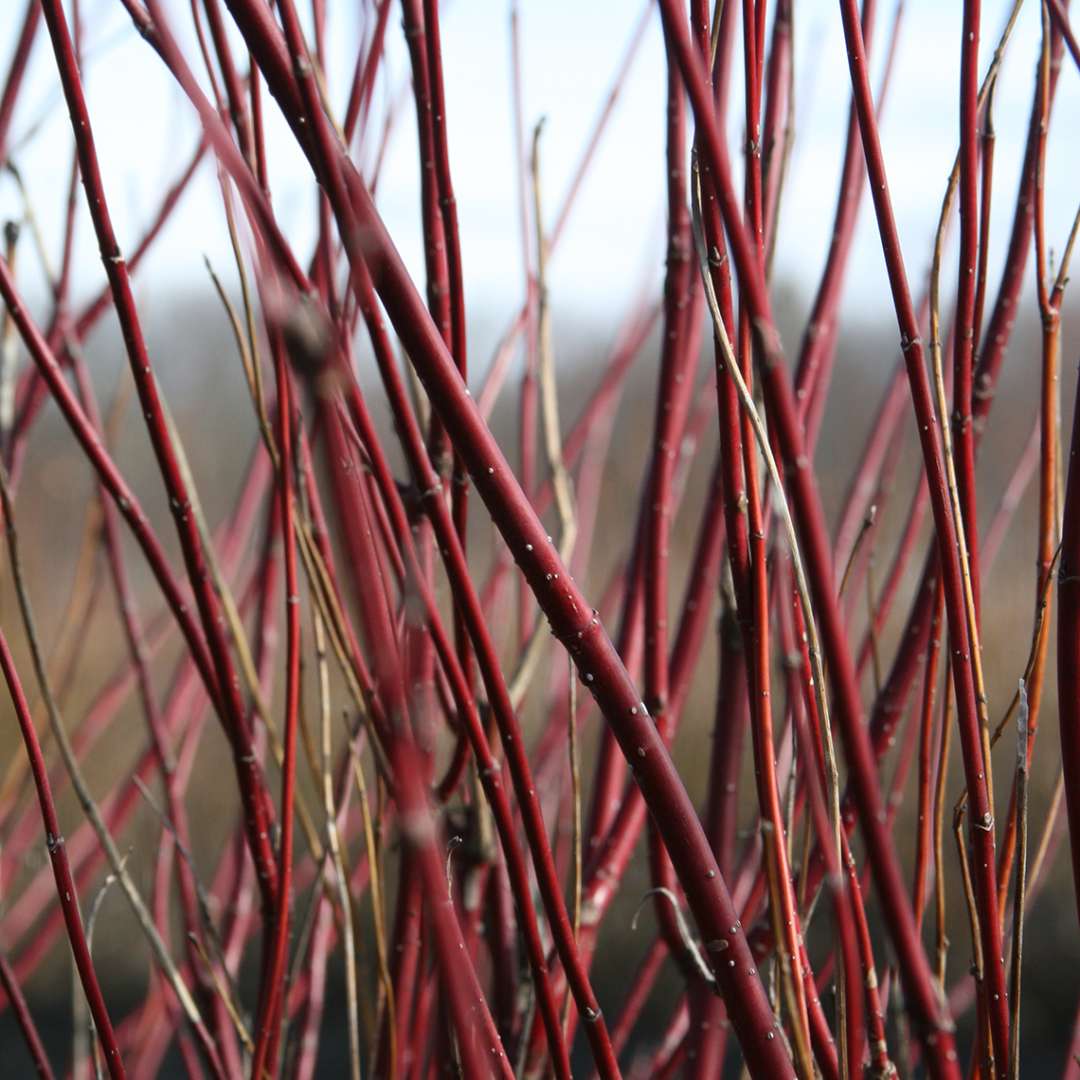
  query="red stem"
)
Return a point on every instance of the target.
[
  {"x": 66, "y": 891},
  {"x": 25, "y": 1020}
]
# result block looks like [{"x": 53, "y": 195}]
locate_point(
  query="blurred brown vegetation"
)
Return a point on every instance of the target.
[{"x": 203, "y": 383}]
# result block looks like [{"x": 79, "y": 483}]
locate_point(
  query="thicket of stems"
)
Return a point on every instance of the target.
[{"x": 478, "y": 855}]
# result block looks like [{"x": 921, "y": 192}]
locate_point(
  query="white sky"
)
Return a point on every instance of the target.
[{"x": 571, "y": 48}]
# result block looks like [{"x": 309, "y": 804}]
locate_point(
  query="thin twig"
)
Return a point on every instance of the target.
[{"x": 1020, "y": 894}]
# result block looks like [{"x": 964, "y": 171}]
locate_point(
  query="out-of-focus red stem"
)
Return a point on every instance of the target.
[
  {"x": 17, "y": 72},
  {"x": 271, "y": 990},
  {"x": 29, "y": 1030},
  {"x": 1061, "y": 20}
]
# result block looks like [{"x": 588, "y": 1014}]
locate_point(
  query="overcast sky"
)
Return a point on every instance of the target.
[{"x": 571, "y": 49}]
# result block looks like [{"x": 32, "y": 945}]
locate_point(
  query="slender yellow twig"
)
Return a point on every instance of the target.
[
  {"x": 334, "y": 846},
  {"x": 561, "y": 484},
  {"x": 1020, "y": 895}
]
